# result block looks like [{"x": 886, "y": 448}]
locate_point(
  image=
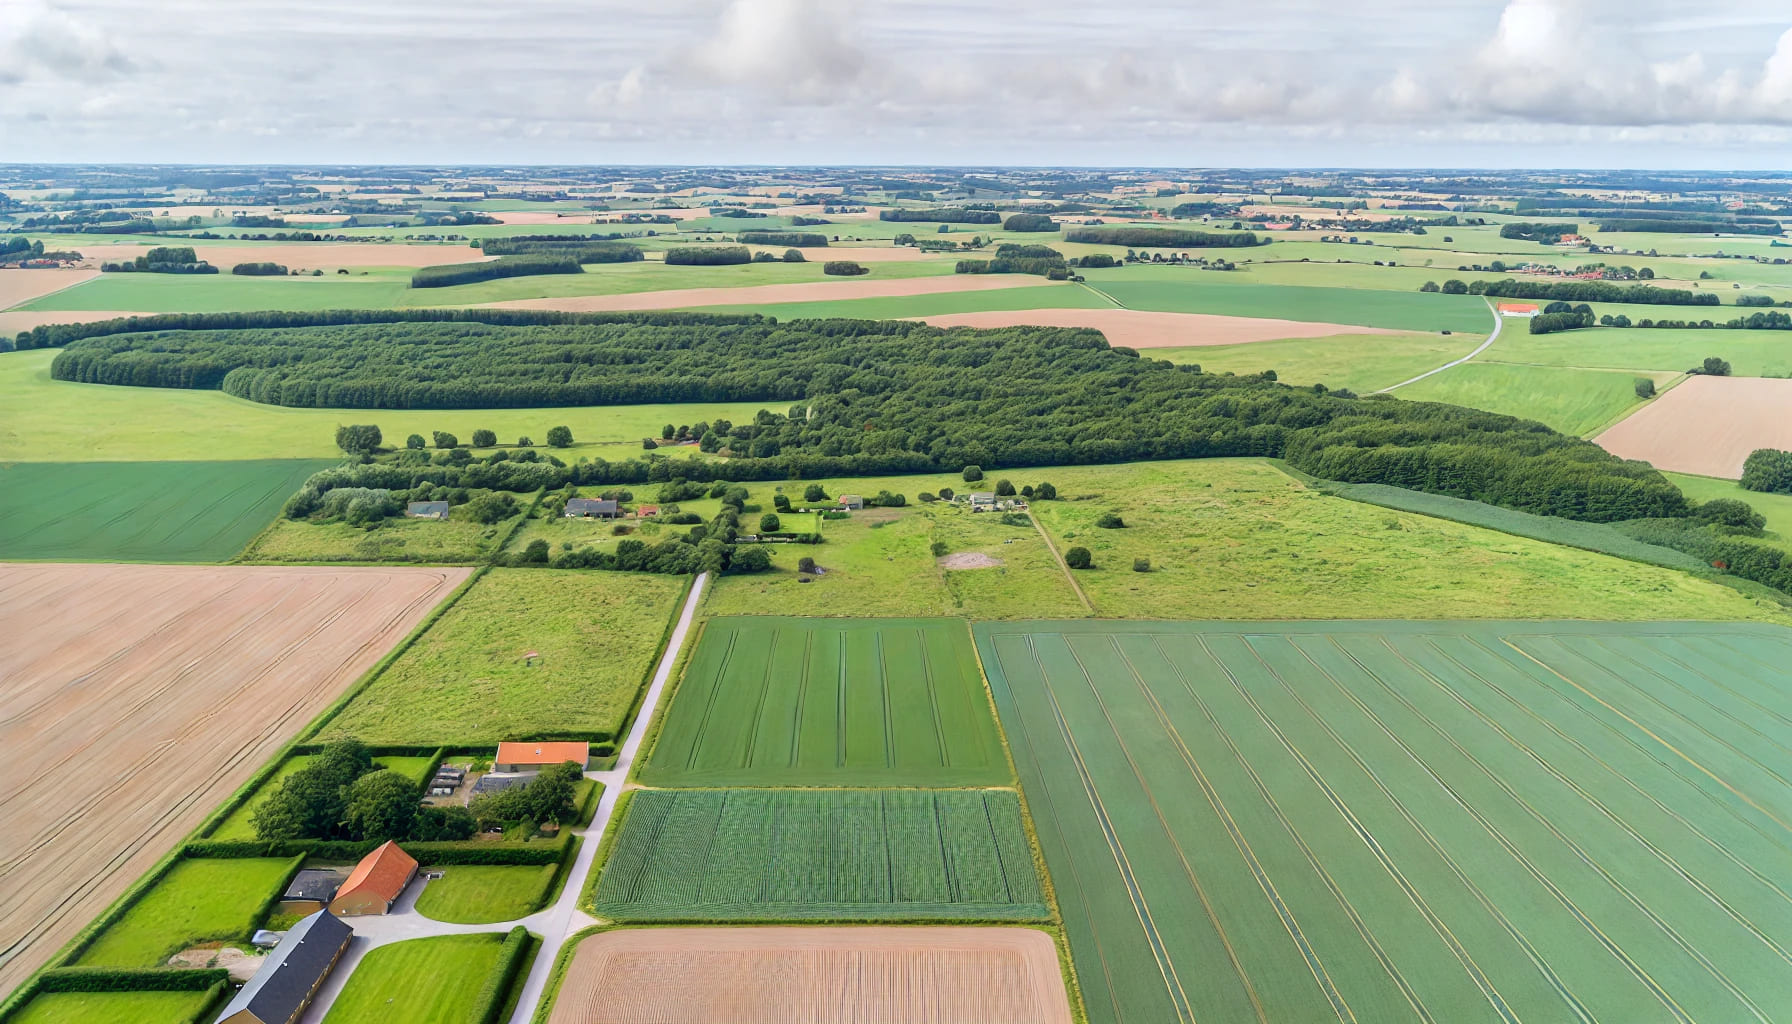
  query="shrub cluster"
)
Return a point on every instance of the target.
[
  {"x": 708, "y": 255},
  {"x": 504, "y": 266},
  {"x": 1162, "y": 238},
  {"x": 1029, "y": 222},
  {"x": 799, "y": 239},
  {"x": 1548, "y": 234},
  {"x": 942, "y": 214},
  {"x": 1768, "y": 470},
  {"x": 258, "y": 270},
  {"x": 844, "y": 268}
]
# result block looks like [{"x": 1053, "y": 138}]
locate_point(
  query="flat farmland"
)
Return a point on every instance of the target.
[
  {"x": 830, "y": 702},
  {"x": 1707, "y": 425},
  {"x": 1181, "y": 290},
  {"x": 782, "y": 975},
  {"x": 1141, "y": 329},
  {"x": 1411, "y": 822},
  {"x": 144, "y": 695},
  {"x": 112, "y": 1008},
  {"x": 696, "y": 855},
  {"x": 142, "y": 511}
]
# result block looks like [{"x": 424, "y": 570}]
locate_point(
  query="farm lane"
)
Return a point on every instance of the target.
[{"x": 1498, "y": 322}]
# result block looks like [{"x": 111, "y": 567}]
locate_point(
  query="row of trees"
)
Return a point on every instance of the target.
[
  {"x": 1657, "y": 225},
  {"x": 1169, "y": 238},
  {"x": 1029, "y": 222},
  {"x": 1589, "y": 291},
  {"x": 574, "y": 247},
  {"x": 258, "y": 270},
  {"x": 163, "y": 260},
  {"x": 799, "y": 239},
  {"x": 708, "y": 255},
  {"x": 504, "y": 266},
  {"x": 943, "y": 214}
]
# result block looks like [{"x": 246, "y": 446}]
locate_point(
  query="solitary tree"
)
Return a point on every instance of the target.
[
  {"x": 559, "y": 437},
  {"x": 1004, "y": 489},
  {"x": 1645, "y": 388},
  {"x": 815, "y": 492},
  {"x": 444, "y": 439},
  {"x": 805, "y": 564},
  {"x": 1078, "y": 558},
  {"x": 1715, "y": 367},
  {"x": 972, "y": 474},
  {"x": 484, "y": 439},
  {"x": 525, "y": 442},
  {"x": 415, "y": 441},
  {"x": 358, "y": 439},
  {"x": 667, "y": 432},
  {"x": 1141, "y": 565}
]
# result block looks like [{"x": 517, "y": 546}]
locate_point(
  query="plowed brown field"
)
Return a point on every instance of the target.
[
  {"x": 1707, "y": 425},
  {"x": 1135, "y": 328},
  {"x": 814, "y": 975},
  {"x": 21, "y": 286},
  {"x": 135, "y": 698}
]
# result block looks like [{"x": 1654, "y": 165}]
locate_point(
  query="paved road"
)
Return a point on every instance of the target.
[
  {"x": 1498, "y": 322},
  {"x": 556, "y": 923}
]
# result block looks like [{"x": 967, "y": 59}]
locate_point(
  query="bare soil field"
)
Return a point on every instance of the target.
[
  {"x": 21, "y": 286},
  {"x": 969, "y": 560},
  {"x": 135, "y": 698},
  {"x": 1707, "y": 425},
  {"x": 1140, "y": 329},
  {"x": 325, "y": 256},
  {"x": 814, "y": 975},
  {"x": 761, "y": 294}
]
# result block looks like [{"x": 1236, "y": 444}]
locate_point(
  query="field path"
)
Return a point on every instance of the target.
[
  {"x": 556, "y": 923},
  {"x": 1498, "y": 322},
  {"x": 1062, "y": 565}
]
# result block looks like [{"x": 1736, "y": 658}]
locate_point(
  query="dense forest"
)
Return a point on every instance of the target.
[
  {"x": 503, "y": 266},
  {"x": 1173, "y": 238},
  {"x": 785, "y": 238},
  {"x": 1030, "y": 222},
  {"x": 1757, "y": 226},
  {"x": 871, "y": 397},
  {"x": 943, "y": 215}
]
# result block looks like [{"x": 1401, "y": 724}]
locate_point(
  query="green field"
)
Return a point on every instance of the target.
[
  {"x": 829, "y": 702},
  {"x": 1573, "y": 401},
  {"x": 141, "y": 511},
  {"x": 238, "y": 825},
  {"x": 1027, "y": 293},
  {"x": 486, "y": 893},
  {"x": 1776, "y": 507},
  {"x": 57, "y": 421},
  {"x": 196, "y": 901},
  {"x": 456, "y": 541},
  {"x": 1402, "y": 822},
  {"x": 111, "y": 1008},
  {"x": 464, "y": 681},
  {"x": 1360, "y": 362},
  {"x": 419, "y": 981},
  {"x": 1181, "y": 290},
  {"x": 871, "y": 855},
  {"x": 1751, "y": 353}
]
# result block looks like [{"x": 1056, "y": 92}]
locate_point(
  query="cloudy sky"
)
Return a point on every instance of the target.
[{"x": 1465, "y": 83}]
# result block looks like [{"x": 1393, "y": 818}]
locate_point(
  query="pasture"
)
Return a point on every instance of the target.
[
  {"x": 1707, "y": 425},
  {"x": 1571, "y": 400},
  {"x": 1185, "y": 290},
  {"x": 239, "y": 823},
  {"x": 1023, "y": 294},
  {"x": 141, "y": 511},
  {"x": 457, "y": 541},
  {"x": 418, "y": 981},
  {"x": 1750, "y": 353},
  {"x": 1404, "y": 822},
  {"x": 695, "y": 855},
  {"x": 486, "y": 893},
  {"x": 112, "y": 1008},
  {"x": 465, "y": 681},
  {"x": 1361, "y": 363},
  {"x": 196, "y": 901},
  {"x": 829, "y": 702}
]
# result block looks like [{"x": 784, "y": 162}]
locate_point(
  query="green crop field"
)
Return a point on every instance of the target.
[
  {"x": 1027, "y": 293},
  {"x": 196, "y": 901},
  {"x": 464, "y": 680},
  {"x": 111, "y": 1008},
  {"x": 830, "y": 702},
  {"x": 1182, "y": 290},
  {"x": 1573, "y": 401},
  {"x": 1381, "y": 821},
  {"x": 1751, "y": 353},
  {"x": 486, "y": 893},
  {"x": 419, "y": 981},
  {"x": 838, "y": 855},
  {"x": 141, "y": 511},
  {"x": 1360, "y": 362},
  {"x": 239, "y": 823}
]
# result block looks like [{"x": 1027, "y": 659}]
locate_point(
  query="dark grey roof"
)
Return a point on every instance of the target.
[
  {"x": 590, "y": 505},
  {"x": 318, "y": 884},
  {"x": 293, "y": 969},
  {"x": 427, "y": 508},
  {"x": 496, "y": 783}
]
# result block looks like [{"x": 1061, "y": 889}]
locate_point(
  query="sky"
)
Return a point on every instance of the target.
[{"x": 1154, "y": 83}]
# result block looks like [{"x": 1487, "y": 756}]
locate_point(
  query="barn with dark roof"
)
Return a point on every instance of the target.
[{"x": 290, "y": 977}]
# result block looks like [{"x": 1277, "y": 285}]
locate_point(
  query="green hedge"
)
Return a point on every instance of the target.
[
  {"x": 489, "y": 1005},
  {"x": 458, "y": 852},
  {"x": 111, "y": 979},
  {"x": 504, "y": 266}
]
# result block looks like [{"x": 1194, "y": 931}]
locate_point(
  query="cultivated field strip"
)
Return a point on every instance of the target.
[
  {"x": 830, "y": 702},
  {"x": 747, "y": 854},
  {"x": 1411, "y": 822}
]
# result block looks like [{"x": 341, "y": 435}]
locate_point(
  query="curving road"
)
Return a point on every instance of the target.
[{"x": 1498, "y": 322}]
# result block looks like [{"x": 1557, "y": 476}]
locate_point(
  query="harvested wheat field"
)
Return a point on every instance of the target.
[
  {"x": 21, "y": 286},
  {"x": 307, "y": 256},
  {"x": 763, "y": 294},
  {"x": 1707, "y": 425},
  {"x": 1135, "y": 328},
  {"x": 791, "y": 975},
  {"x": 135, "y": 698}
]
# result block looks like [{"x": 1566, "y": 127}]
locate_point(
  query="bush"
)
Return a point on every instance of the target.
[
  {"x": 1078, "y": 558},
  {"x": 444, "y": 439},
  {"x": 484, "y": 439},
  {"x": 944, "y": 214},
  {"x": 938, "y": 548},
  {"x": 708, "y": 256},
  {"x": 1141, "y": 565},
  {"x": 559, "y": 437},
  {"x": 972, "y": 474},
  {"x": 1645, "y": 387},
  {"x": 795, "y": 256},
  {"x": 1110, "y": 521},
  {"x": 1045, "y": 492},
  {"x": 748, "y": 558},
  {"x": 1768, "y": 470},
  {"x": 784, "y": 238},
  {"x": 843, "y": 268},
  {"x": 1712, "y": 367},
  {"x": 415, "y": 442},
  {"x": 805, "y": 564},
  {"x": 491, "y": 507},
  {"x": 1428, "y": 286},
  {"x": 815, "y": 492},
  {"x": 360, "y": 440},
  {"x": 770, "y": 523},
  {"x": 1004, "y": 489},
  {"x": 1731, "y": 514}
]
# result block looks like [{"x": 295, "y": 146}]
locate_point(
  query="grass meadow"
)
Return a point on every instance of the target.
[
  {"x": 1776, "y": 507},
  {"x": 487, "y": 893},
  {"x": 1421, "y": 822},
  {"x": 198, "y": 900},
  {"x": 1573, "y": 401},
  {"x": 1751, "y": 353},
  {"x": 1186, "y": 290},
  {"x": 1027, "y": 293},
  {"x": 111, "y": 1008},
  {"x": 239, "y": 824},
  {"x": 418, "y": 981},
  {"x": 1361, "y": 362},
  {"x": 455, "y": 541}
]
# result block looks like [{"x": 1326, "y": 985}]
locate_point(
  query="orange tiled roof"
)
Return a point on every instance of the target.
[
  {"x": 543, "y": 753},
  {"x": 384, "y": 871}
]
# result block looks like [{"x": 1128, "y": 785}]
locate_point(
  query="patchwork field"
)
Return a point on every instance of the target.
[
  {"x": 1147, "y": 330},
  {"x": 779, "y": 975},
  {"x": 820, "y": 702},
  {"x": 112, "y": 1008},
  {"x": 181, "y": 681},
  {"x": 1707, "y": 425},
  {"x": 1181, "y": 290},
  {"x": 142, "y": 511},
  {"x": 835, "y": 855},
  {"x": 464, "y": 681},
  {"x": 419, "y": 981},
  {"x": 196, "y": 901},
  {"x": 1396, "y": 821},
  {"x": 1362, "y": 363}
]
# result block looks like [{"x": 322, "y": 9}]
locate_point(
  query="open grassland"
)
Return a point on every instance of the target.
[
  {"x": 486, "y": 893},
  {"x": 1362, "y": 363},
  {"x": 419, "y": 981},
  {"x": 196, "y": 901},
  {"x": 1149, "y": 332},
  {"x": 1750, "y": 353},
  {"x": 464, "y": 681},
  {"x": 141, "y": 511},
  {"x": 226, "y": 292},
  {"x": 1184, "y": 290},
  {"x": 111, "y": 1008},
  {"x": 239, "y": 824},
  {"x": 181, "y": 682},
  {"x": 1572, "y": 401},
  {"x": 1776, "y": 507},
  {"x": 455, "y": 541},
  {"x": 784, "y": 975},
  {"x": 1024, "y": 294},
  {"x": 58, "y": 421},
  {"x": 830, "y": 702},
  {"x": 1464, "y": 823},
  {"x": 1707, "y": 425},
  {"x": 835, "y": 855}
]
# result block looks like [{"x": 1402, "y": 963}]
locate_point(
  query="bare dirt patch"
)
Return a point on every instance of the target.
[
  {"x": 803, "y": 975},
  {"x": 135, "y": 698},
  {"x": 1707, "y": 425},
  {"x": 1140, "y": 329},
  {"x": 21, "y": 286},
  {"x": 325, "y": 256},
  {"x": 763, "y": 294},
  {"x": 970, "y": 560},
  {"x": 241, "y": 965}
]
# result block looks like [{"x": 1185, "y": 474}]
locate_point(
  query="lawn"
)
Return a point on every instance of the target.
[
  {"x": 238, "y": 825},
  {"x": 1776, "y": 507},
  {"x": 859, "y": 855},
  {"x": 419, "y": 981},
  {"x": 111, "y": 1008},
  {"x": 58, "y": 421},
  {"x": 1423, "y": 822},
  {"x": 196, "y": 901},
  {"x": 1361, "y": 362},
  {"x": 464, "y": 681},
  {"x": 829, "y": 702},
  {"x": 486, "y": 894},
  {"x": 141, "y": 511},
  {"x": 1181, "y": 290},
  {"x": 1570, "y": 400},
  {"x": 457, "y": 541}
]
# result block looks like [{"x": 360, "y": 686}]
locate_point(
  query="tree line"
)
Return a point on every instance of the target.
[
  {"x": 1592, "y": 291},
  {"x": 800, "y": 239},
  {"x": 1173, "y": 238},
  {"x": 708, "y": 255},
  {"x": 943, "y": 214},
  {"x": 1548, "y": 234},
  {"x": 504, "y": 266},
  {"x": 582, "y": 250},
  {"x": 1029, "y": 222},
  {"x": 1692, "y": 227}
]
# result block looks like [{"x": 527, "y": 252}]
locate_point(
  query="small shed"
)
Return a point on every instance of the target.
[
  {"x": 591, "y": 508},
  {"x": 376, "y": 882},
  {"x": 427, "y": 510},
  {"x": 291, "y": 975},
  {"x": 851, "y": 502},
  {"x": 533, "y": 757},
  {"x": 311, "y": 890},
  {"x": 980, "y": 500}
]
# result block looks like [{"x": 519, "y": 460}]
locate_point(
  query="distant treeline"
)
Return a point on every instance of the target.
[
  {"x": 1170, "y": 238},
  {"x": 1593, "y": 291},
  {"x": 799, "y": 239},
  {"x": 1019, "y": 259},
  {"x": 503, "y": 266},
  {"x": 162, "y": 260},
  {"x": 1548, "y": 234},
  {"x": 1692, "y": 227},
  {"x": 1029, "y": 222},
  {"x": 582, "y": 249},
  {"x": 258, "y": 270},
  {"x": 943, "y": 214},
  {"x": 708, "y": 255}
]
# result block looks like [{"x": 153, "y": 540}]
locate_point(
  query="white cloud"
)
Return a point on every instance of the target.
[{"x": 37, "y": 39}]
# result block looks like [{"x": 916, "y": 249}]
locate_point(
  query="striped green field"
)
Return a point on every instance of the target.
[
  {"x": 830, "y": 702},
  {"x": 837, "y": 855},
  {"x": 1382, "y": 821}
]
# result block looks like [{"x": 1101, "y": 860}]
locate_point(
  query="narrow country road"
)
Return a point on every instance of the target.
[
  {"x": 556, "y": 923},
  {"x": 1498, "y": 322}
]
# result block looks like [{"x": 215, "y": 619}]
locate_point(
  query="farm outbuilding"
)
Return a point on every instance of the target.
[
  {"x": 311, "y": 890},
  {"x": 427, "y": 510},
  {"x": 490, "y": 783},
  {"x": 591, "y": 508},
  {"x": 373, "y": 886},
  {"x": 290, "y": 977},
  {"x": 1523, "y": 309},
  {"x": 533, "y": 757},
  {"x": 851, "y": 502}
]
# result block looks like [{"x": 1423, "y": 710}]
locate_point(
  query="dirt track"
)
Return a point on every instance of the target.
[
  {"x": 1141, "y": 329},
  {"x": 764, "y": 294},
  {"x": 135, "y": 698},
  {"x": 1707, "y": 425},
  {"x": 810, "y": 975},
  {"x": 21, "y": 286}
]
